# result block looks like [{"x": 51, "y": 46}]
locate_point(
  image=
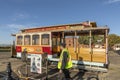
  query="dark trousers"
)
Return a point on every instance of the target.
[{"x": 66, "y": 73}]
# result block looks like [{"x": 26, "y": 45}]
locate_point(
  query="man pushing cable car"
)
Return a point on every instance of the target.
[{"x": 65, "y": 62}]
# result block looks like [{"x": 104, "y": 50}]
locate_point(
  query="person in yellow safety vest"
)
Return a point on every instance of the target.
[{"x": 65, "y": 62}]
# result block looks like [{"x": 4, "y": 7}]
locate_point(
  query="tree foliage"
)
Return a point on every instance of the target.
[
  {"x": 113, "y": 39},
  {"x": 83, "y": 40},
  {"x": 95, "y": 38},
  {"x": 98, "y": 39}
]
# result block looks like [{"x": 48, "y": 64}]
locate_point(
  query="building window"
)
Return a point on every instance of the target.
[
  {"x": 19, "y": 40},
  {"x": 45, "y": 39},
  {"x": 27, "y": 40},
  {"x": 35, "y": 40}
]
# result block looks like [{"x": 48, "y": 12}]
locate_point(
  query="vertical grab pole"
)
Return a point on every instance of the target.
[
  {"x": 106, "y": 35},
  {"x": 90, "y": 43},
  {"x": 63, "y": 36},
  {"x": 75, "y": 42},
  {"x": 23, "y": 40},
  {"x": 31, "y": 38}
]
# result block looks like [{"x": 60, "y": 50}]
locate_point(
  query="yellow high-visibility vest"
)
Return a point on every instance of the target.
[{"x": 69, "y": 62}]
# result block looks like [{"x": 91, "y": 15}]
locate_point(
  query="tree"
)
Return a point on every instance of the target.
[
  {"x": 113, "y": 39},
  {"x": 98, "y": 39},
  {"x": 95, "y": 39},
  {"x": 83, "y": 40}
]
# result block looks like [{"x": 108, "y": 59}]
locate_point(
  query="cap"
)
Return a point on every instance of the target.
[{"x": 62, "y": 44}]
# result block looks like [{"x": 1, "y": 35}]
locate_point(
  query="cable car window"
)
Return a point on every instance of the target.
[
  {"x": 27, "y": 40},
  {"x": 45, "y": 39},
  {"x": 35, "y": 40},
  {"x": 19, "y": 40}
]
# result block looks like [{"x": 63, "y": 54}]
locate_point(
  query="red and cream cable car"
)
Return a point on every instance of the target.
[{"x": 47, "y": 39}]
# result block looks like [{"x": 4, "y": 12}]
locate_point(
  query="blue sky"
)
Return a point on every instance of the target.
[{"x": 19, "y": 14}]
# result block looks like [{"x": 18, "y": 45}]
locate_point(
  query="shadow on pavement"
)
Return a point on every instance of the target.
[
  {"x": 3, "y": 75},
  {"x": 79, "y": 75}
]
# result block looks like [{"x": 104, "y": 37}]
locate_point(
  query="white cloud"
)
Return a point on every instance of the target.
[
  {"x": 18, "y": 27},
  {"x": 19, "y": 16},
  {"x": 8, "y": 29},
  {"x": 113, "y": 1},
  {"x": 14, "y": 28},
  {"x": 22, "y": 16}
]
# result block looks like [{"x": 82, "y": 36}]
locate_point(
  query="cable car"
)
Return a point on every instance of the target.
[{"x": 79, "y": 39}]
